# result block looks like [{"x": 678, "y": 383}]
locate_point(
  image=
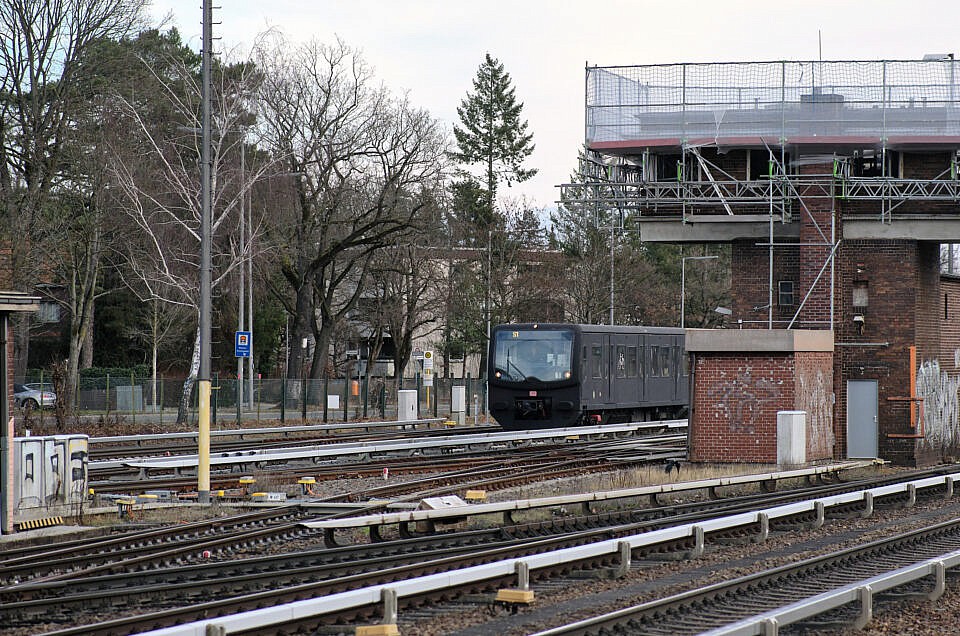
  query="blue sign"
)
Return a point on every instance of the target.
[{"x": 241, "y": 343}]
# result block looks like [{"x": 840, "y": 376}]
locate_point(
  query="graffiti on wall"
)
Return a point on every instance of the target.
[
  {"x": 815, "y": 396},
  {"x": 744, "y": 399},
  {"x": 941, "y": 411}
]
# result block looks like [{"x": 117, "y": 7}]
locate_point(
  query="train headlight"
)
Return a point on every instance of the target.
[
  {"x": 497, "y": 374},
  {"x": 566, "y": 374}
]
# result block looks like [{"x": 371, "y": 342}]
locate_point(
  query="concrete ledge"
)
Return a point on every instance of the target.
[
  {"x": 758, "y": 340},
  {"x": 907, "y": 227},
  {"x": 714, "y": 228}
]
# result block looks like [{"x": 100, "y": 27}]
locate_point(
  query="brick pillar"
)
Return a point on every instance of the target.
[{"x": 815, "y": 218}]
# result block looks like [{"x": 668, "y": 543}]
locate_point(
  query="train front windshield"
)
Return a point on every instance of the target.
[{"x": 533, "y": 354}]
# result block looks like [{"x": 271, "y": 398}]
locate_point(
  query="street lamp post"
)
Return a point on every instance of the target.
[{"x": 683, "y": 278}]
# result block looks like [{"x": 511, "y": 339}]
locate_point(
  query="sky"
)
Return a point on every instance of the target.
[{"x": 431, "y": 49}]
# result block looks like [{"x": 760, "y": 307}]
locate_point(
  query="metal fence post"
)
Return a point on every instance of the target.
[
  {"x": 283, "y": 399},
  {"x": 303, "y": 399},
  {"x": 366, "y": 394},
  {"x": 133, "y": 409}
]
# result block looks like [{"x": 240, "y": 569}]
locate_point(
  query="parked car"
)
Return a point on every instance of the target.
[{"x": 31, "y": 396}]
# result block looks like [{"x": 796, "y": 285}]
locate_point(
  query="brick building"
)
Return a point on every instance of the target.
[{"x": 836, "y": 185}]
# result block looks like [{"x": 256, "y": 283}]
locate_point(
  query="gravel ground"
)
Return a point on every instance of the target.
[{"x": 561, "y": 602}]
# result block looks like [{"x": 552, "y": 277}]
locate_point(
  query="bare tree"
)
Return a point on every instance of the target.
[
  {"x": 363, "y": 165},
  {"x": 160, "y": 190},
  {"x": 41, "y": 51}
]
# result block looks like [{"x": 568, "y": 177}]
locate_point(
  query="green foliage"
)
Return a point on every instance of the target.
[{"x": 492, "y": 133}]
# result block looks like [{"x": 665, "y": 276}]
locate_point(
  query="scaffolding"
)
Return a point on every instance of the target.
[
  {"x": 844, "y": 113},
  {"x": 780, "y": 102}
]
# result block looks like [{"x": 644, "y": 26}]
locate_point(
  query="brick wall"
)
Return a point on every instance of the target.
[
  {"x": 815, "y": 218},
  {"x": 950, "y": 324},
  {"x": 814, "y": 394},
  {"x": 736, "y": 398},
  {"x": 904, "y": 305},
  {"x": 750, "y": 264}
]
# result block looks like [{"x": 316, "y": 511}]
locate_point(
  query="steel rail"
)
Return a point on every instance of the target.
[
  {"x": 790, "y": 593},
  {"x": 311, "y": 610}
]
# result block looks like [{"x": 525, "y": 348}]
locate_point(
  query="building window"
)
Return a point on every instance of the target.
[
  {"x": 860, "y": 294},
  {"x": 785, "y": 298},
  {"x": 49, "y": 312}
]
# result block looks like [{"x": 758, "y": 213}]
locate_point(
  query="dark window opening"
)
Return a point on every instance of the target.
[
  {"x": 870, "y": 163},
  {"x": 668, "y": 167},
  {"x": 785, "y": 295},
  {"x": 665, "y": 362}
]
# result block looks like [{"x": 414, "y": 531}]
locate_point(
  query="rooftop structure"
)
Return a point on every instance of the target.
[
  {"x": 890, "y": 103},
  {"x": 687, "y": 141}
]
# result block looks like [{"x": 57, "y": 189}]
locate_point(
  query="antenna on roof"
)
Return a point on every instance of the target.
[{"x": 820, "y": 43}]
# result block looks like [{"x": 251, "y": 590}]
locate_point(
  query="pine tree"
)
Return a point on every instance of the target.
[{"x": 493, "y": 135}]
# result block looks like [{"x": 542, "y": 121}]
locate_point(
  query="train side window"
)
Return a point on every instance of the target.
[
  {"x": 28, "y": 466},
  {"x": 665, "y": 362},
  {"x": 621, "y": 361},
  {"x": 631, "y": 362},
  {"x": 597, "y": 362},
  {"x": 641, "y": 361},
  {"x": 654, "y": 362}
]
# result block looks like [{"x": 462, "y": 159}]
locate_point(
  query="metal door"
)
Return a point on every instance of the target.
[
  {"x": 661, "y": 385},
  {"x": 625, "y": 387},
  {"x": 596, "y": 371},
  {"x": 861, "y": 419}
]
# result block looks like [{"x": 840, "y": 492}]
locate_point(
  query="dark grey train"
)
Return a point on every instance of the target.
[{"x": 557, "y": 375}]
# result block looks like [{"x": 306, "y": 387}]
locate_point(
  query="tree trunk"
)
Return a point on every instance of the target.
[
  {"x": 86, "y": 351},
  {"x": 183, "y": 410}
]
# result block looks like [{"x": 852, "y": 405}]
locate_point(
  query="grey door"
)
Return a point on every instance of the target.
[
  {"x": 861, "y": 419},
  {"x": 625, "y": 388}
]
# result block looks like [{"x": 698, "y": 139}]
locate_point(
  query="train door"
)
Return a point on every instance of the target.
[
  {"x": 624, "y": 369},
  {"x": 596, "y": 366},
  {"x": 661, "y": 383},
  {"x": 681, "y": 370}
]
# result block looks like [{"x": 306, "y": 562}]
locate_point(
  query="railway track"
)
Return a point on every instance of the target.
[
  {"x": 211, "y": 577},
  {"x": 714, "y": 608}
]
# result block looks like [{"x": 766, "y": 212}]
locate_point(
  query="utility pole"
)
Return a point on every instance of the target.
[{"x": 206, "y": 196}]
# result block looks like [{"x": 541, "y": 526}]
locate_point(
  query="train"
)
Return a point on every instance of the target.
[{"x": 553, "y": 375}]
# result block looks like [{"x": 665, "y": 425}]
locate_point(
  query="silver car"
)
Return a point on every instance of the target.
[{"x": 31, "y": 396}]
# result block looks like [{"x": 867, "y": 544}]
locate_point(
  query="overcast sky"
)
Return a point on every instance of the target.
[{"x": 432, "y": 48}]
